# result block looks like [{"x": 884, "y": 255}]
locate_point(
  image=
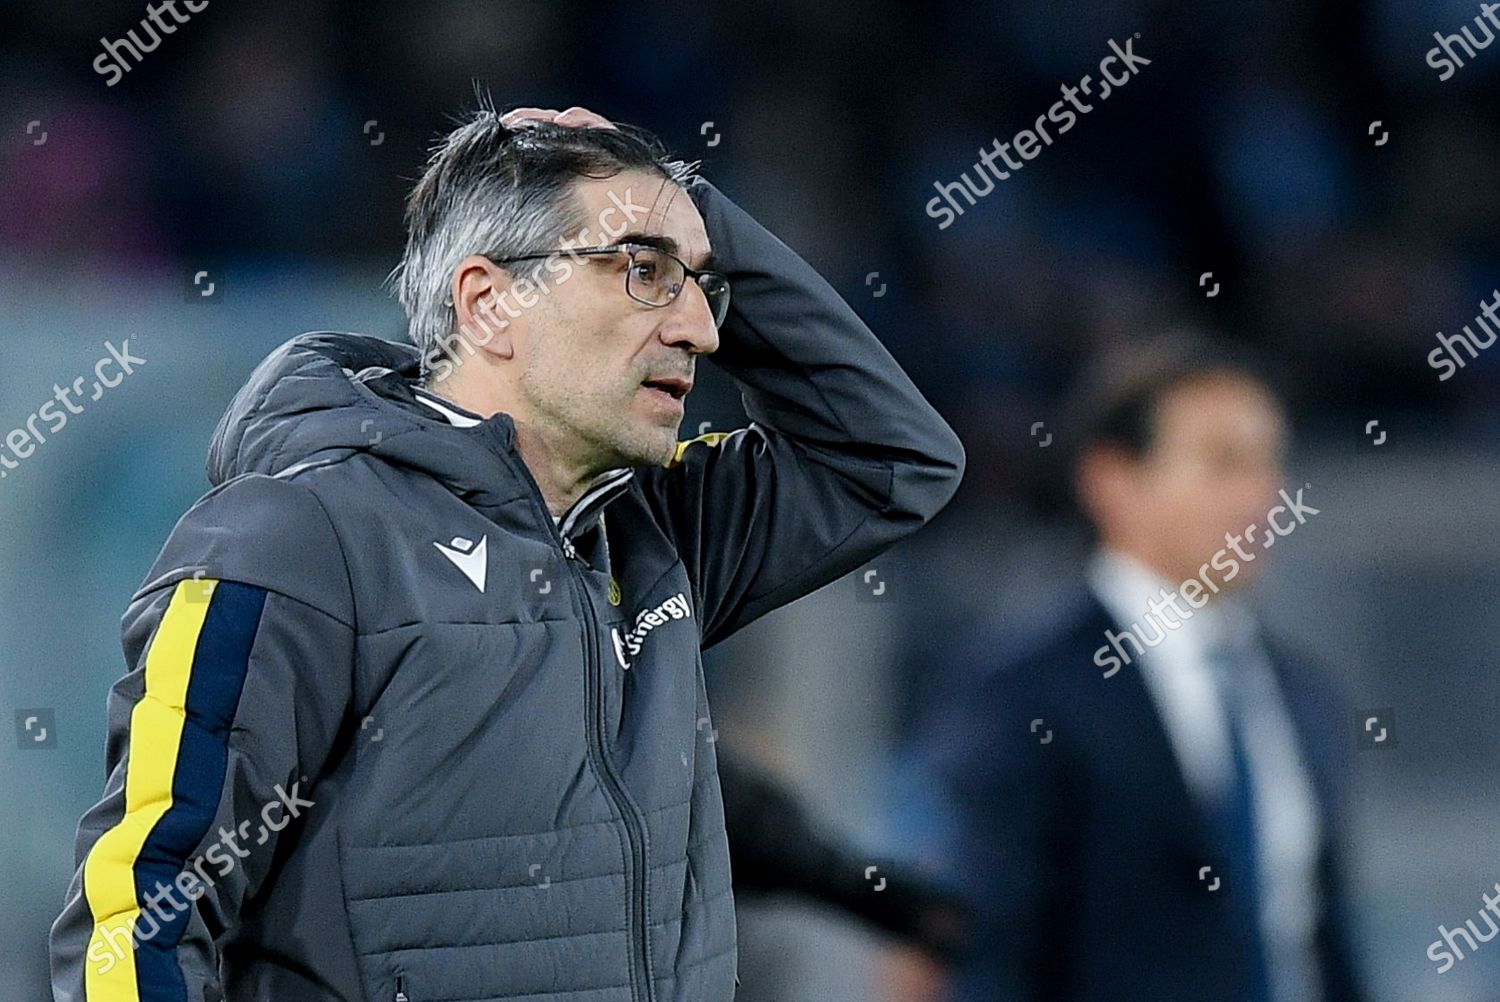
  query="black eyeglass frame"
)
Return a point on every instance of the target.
[{"x": 689, "y": 274}]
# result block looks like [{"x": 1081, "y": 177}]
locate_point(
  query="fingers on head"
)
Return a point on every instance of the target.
[
  {"x": 516, "y": 116},
  {"x": 577, "y": 116}
]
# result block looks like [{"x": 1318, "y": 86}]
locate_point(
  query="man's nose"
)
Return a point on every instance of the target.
[{"x": 690, "y": 322}]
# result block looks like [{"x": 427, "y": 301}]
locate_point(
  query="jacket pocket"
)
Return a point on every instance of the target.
[{"x": 492, "y": 917}]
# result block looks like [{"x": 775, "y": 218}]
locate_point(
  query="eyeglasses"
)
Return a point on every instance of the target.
[{"x": 654, "y": 276}]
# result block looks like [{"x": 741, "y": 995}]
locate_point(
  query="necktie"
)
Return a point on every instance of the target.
[{"x": 1231, "y": 662}]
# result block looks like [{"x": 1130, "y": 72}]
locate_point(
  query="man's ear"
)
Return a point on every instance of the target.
[
  {"x": 1101, "y": 480},
  {"x": 482, "y": 306}
]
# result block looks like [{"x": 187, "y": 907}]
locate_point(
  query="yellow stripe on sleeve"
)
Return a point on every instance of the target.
[{"x": 156, "y": 725}]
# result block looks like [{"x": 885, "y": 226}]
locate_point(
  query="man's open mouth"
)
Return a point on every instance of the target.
[{"x": 673, "y": 386}]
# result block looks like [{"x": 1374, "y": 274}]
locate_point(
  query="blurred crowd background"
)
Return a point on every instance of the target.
[{"x": 244, "y": 147}]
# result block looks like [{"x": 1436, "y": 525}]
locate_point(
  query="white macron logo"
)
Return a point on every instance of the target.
[
  {"x": 630, "y": 642},
  {"x": 467, "y": 557}
]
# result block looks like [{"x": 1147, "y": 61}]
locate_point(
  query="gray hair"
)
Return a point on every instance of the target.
[{"x": 504, "y": 192}]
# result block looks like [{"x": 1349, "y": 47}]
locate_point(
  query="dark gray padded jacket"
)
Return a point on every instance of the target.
[{"x": 391, "y": 733}]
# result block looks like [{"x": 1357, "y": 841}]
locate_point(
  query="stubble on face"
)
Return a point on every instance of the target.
[
  {"x": 591, "y": 346},
  {"x": 572, "y": 397}
]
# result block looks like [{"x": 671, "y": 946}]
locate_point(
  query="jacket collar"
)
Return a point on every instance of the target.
[
  {"x": 325, "y": 395},
  {"x": 578, "y": 519}
]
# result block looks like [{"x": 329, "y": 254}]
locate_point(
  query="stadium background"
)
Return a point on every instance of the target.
[{"x": 240, "y": 147}]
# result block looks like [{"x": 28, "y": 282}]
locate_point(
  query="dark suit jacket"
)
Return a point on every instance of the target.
[{"x": 1082, "y": 854}]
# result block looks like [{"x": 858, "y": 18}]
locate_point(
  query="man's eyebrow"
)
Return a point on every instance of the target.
[{"x": 663, "y": 242}]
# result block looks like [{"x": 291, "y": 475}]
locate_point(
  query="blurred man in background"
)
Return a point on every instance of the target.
[{"x": 1145, "y": 798}]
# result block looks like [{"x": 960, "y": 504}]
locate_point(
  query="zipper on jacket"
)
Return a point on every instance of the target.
[
  {"x": 642, "y": 988},
  {"x": 634, "y": 825},
  {"x": 400, "y": 994}
]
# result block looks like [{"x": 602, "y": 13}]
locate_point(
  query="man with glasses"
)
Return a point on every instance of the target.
[{"x": 415, "y": 709}]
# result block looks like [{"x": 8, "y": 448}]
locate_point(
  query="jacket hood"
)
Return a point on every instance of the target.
[{"x": 324, "y": 396}]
